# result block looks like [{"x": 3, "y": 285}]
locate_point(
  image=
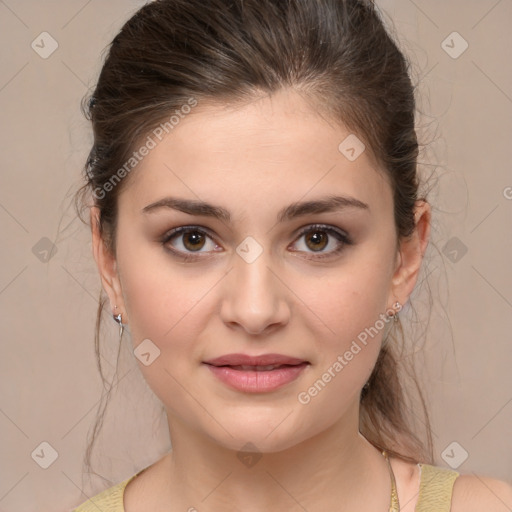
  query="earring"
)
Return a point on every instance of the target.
[
  {"x": 119, "y": 319},
  {"x": 397, "y": 307}
]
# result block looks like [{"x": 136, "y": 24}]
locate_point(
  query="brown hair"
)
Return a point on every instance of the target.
[{"x": 336, "y": 53}]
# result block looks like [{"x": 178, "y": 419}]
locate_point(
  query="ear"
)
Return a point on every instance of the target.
[
  {"x": 410, "y": 255},
  {"x": 107, "y": 266}
]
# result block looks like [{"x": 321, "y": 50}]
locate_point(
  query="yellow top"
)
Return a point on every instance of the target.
[{"x": 435, "y": 494}]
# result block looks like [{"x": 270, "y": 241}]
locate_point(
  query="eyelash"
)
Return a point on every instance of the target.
[{"x": 339, "y": 235}]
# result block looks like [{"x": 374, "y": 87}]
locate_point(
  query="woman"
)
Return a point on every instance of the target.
[{"x": 257, "y": 226}]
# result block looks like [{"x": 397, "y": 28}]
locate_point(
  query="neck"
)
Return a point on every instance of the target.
[{"x": 334, "y": 469}]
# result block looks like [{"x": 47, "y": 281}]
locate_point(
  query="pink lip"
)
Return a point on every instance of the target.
[
  {"x": 244, "y": 359},
  {"x": 256, "y": 380}
]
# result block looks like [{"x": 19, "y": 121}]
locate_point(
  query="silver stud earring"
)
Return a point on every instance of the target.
[{"x": 119, "y": 319}]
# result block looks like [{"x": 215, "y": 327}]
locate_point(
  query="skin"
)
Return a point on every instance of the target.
[{"x": 253, "y": 161}]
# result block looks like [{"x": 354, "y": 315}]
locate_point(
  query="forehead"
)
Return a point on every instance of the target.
[{"x": 273, "y": 149}]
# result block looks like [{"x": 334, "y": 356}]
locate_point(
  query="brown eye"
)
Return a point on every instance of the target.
[
  {"x": 319, "y": 237},
  {"x": 187, "y": 241},
  {"x": 193, "y": 240},
  {"x": 317, "y": 240}
]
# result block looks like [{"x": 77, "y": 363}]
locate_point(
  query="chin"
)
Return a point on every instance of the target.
[
  {"x": 255, "y": 433},
  {"x": 257, "y": 442}
]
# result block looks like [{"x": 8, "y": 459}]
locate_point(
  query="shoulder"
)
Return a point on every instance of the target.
[
  {"x": 473, "y": 493},
  {"x": 125, "y": 495},
  {"x": 144, "y": 489},
  {"x": 109, "y": 500},
  {"x": 436, "y": 488},
  {"x": 407, "y": 477}
]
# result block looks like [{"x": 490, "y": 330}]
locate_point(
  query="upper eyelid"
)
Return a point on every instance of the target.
[
  {"x": 180, "y": 230},
  {"x": 326, "y": 227}
]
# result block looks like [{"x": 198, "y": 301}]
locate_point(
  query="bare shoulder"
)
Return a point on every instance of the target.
[{"x": 474, "y": 493}]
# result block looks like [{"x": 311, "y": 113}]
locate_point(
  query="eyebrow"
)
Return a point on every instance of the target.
[{"x": 297, "y": 209}]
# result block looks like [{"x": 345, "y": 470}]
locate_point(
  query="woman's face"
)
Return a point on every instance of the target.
[{"x": 255, "y": 285}]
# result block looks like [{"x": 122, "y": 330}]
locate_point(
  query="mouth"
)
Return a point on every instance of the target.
[{"x": 256, "y": 374}]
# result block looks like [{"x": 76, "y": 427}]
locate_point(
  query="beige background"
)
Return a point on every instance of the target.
[{"x": 50, "y": 385}]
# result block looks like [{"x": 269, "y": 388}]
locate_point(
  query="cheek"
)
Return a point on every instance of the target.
[
  {"x": 170, "y": 309},
  {"x": 160, "y": 296},
  {"x": 346, "y": 317},
  {"x": 350, "y": 299}
]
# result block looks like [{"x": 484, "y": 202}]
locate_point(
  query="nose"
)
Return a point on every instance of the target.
[{"x": 254, "y": 297}]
